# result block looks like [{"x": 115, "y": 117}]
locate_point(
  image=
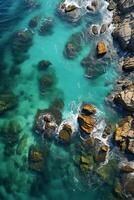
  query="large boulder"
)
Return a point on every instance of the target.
[
  {"x": 124, "y": 134},
  {"x": 128, "y": 64},
  {"x": 86, "y": 123},
  {"x": 125, "y": 97},
  {"x": 101, "y": 48},
  {"x": 122, "y": 33},
  {"x": 65, "y": 133},
  {"x": 88, "y": 109}
]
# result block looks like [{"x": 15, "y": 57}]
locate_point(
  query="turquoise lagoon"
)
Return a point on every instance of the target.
[{"x": 62, "y": 179}]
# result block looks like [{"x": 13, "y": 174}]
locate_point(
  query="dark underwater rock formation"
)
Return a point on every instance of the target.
[
  {"x": 7, "y": 102},
  {"x": 34, "y": 22},
  {"x": 21, "y": 41},
  {"x": 73, "y": 46},
  {"x": 46, "y": 26},
  {"x": 44, "y": 64}
]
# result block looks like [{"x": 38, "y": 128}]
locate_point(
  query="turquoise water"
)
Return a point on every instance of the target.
[{"x": 62, "y": 179}]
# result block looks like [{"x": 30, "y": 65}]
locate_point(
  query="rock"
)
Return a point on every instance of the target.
[
  {"x": 69, "y": 12},
  {"x": 86, "y": 163},
  {"x": 10, "y": 132},
  {"x": 46, "y": 82},
  {"x": 103, "y": 28},
  {"x": 73, "y": 46},
  {"x": 125, "y": 6},
  {"x": 86, "y": 123},
  {"x": 123, "y": 34},
  {"x": 102, "y": 153},
  {"x": 21, "y": 41},
  {"x": 127, "y": 167},
  {"x": 34, "y": 22},
  {"x": 93, "y": 68},
  {"x": 124, "y": 134},
  {"x": 88, "y": 109},
  {"x": 7, "y": 102},
  {"x": 108, "y": 172},
  {"x": 128, "y": 64},
  {"x": 95, "y": 30},
  {"x": 32, "y": 4},
  {"x": 46, "y": 123},
  {"x": 36, "y": 158},
  {"x": 93, "y": 7},
  {"x": 58, "y": 104},
  {"x": 65, "y": 133},
  {"x": 101, "y": 48},
  {"x": 111, "y": 6},
  {"x": 128, "y": 185},
  {"x": 47, "y": 26},
  {"x": 44, "y": 64},
  {"x": 125, "y": 98},
  {"x": 70, "y": 8}
]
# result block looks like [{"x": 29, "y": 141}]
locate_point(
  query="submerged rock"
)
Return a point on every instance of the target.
[
  {"x": 10, "y": 132},
  {"x": 73, "y": 46},
  {"x": 46, "y": 82},
  {"x": 47, "y": 26},
  {"x": 7, "y": 102},
  {"x": 65, "y": 133},
  {"x": 31, "y": 4},
  {"x": 93, "y": 68},
  {"x": 124, "y": 134},
  {"x": 34, "y": 22},
  {"x": 102, "y": 153},
  {"x": 44, "y": 64},
  {"x": 101, "y": 48},
  {"x": 86, "y": 163},
  {"x": 21, "y": 41},
  {"x": 36, "y": 158}
]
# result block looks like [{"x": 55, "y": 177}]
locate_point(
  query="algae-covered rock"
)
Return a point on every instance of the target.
[
  {"x": 108, "y": 172},
  {"x": 86, "y": 163},
  {"x": 65, "y": 133},
  {"x": 7, "y": 102},
  {"x": 10, "y": 132},
  {"x": 36, "y": 158}
]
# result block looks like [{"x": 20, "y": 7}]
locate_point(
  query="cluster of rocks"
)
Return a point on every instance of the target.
[
  {"x": 73, "y": 12},
  {"x": 21, "y": 41}
]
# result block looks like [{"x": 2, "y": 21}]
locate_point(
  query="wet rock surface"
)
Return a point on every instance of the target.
[
  {"x": 65, "y": 133},
  {"x": 124, "y": 134},
  {"x": 101, "y": 48}
]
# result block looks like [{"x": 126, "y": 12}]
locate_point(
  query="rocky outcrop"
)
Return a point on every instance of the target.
[
  {"x": 124, "y": 134},
  {"x": 65, "y": 133},
  {"x": 101, "y": 48},
  {"x": 128, "y": 64},
  {"x": 122, "y": 33},
  {"x": 127, "y": 167},
  {"x": 46, "y": 26},
  {"x": 125, "y": 6},
  {"x": 86, "y": 119},
  {"x": 125, "y": 97}
]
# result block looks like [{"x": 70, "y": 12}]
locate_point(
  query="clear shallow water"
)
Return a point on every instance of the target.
[{"x": 63, "y": 179}]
